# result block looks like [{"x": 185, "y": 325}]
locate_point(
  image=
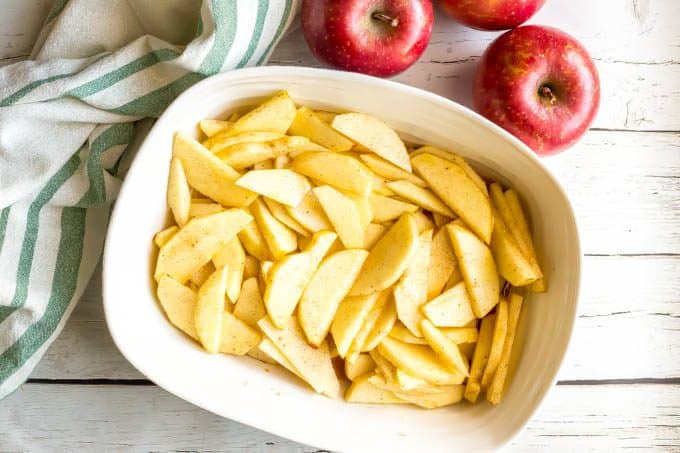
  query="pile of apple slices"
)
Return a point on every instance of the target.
[{"x": 302, "y": 238}]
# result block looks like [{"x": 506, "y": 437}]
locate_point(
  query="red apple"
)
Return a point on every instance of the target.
[
  {"x": 491, "y": 14},
  {"x": 539, "y": 84},
  {"x": 377, "y": 37}
]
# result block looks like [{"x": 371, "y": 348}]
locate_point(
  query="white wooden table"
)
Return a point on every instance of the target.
[{"x": 620, "y": 385}]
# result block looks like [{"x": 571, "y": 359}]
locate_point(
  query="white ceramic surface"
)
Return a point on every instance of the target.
[{"x": 260, "y": 395}]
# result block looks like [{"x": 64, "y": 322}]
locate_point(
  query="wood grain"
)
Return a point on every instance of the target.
[{"x": 132, "y": 418}]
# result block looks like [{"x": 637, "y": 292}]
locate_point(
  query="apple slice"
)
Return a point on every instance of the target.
[
  {"x": 179, "y": 193},
  {"x": 500, "y": 330},
  {"x": 267, "y": 347},
  {"x": 179, "y": 303},
  {"x": 362, "y": 391},
  {"x": 384, "y": 368},
  {"x": 201, "y": 275},
  {"x": 284, "y": 186},
  {"x": 343, "y": 214},
  {"x": 442, "y": 263},
  {"x": 374, "y": 231},
  {"x": 494, "y": 393},
  {"x": 452, "y": 308},
  {"x": 280, "y": 239},
  {"x": 201, "y": 209},
  {"x": 308, "y": 124},
  {"x": 249, "y": 307},
  {"x": 211, "y": 127},
  {"x": 275, "y": 115},
  {"x": 220, "y": 142},
  {"x": 434, "y": 400},
  {"x": 478, "y": 269},
  {"x": 348, "y": 320},
  {"x": 370, "y": 321},
  {"x": 279, "y": 212},
  {"x": 285, "y": 282},
  {"x": 244, "y": 155},
  {"x": 196, "y": 243},
  {"x": 318, "y": 247},
  {"x": 388, "y": 258},
  {"x": 409, "y": 382},
  {"x": 446, "y": 349},
  {"x": 162, "y": 237},
  {"x": 233, "y": 257},
  {"x": 461, "y": 335},
  {"x": 401, "y": 333},
  {"x": 479, "y": 359},
  {"x": 338, "y": 170},
  {"x": 237, "y": 337},
  {"x": 410, "y": 293},
  {"x": 364, "y": 364},
  {"x": 458, "y": 191},
  {"x": 254, "y": 243},
  {"x": 374, "y": 135},
  {"x": 419, "y": 196},
  {"x": 210, "y": 310},
  {"x": 390, "y": 171},
  {"x": 327, "y": 288},
  {"x": 310, "y": 214},
  {"x": 381, "y": 328},
  {"x": 364, "y": 208},
  {"x": 386, "y": 208},
  {"x": 455, "y": 158},
  {"x": 206, "y": 173},
  {"x": 419, "y": 361},
  {"x": 512, "y": 264},
  {"x": 314, "y": 364}
]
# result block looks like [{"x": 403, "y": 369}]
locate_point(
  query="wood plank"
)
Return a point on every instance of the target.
[
  {"x": 629, "y": 318},
  {"x": 146, "y": 418}
]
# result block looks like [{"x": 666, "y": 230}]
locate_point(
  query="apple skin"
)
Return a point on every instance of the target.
[
  {"x": 539, "y": 84},
  {"x": 346, "y": 34},
  {"x": 491, "y": 14}
]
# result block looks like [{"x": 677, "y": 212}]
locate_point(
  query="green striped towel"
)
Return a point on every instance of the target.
[{"x": 66, "y": 118}]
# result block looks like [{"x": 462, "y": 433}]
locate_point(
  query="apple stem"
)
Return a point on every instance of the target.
[
  {"x": 382, "y": 17},
  {"x": 546, "y": 92}
]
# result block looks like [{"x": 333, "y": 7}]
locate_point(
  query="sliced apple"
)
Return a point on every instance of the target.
[
  {"x": 410, "y": 293},
  {"x": 286, "y": 281},
  {"x": 450, "y": 182},
  {"x": 477, "y": 267},
  {"x": 280, "y": 239},
  {"x": 374, "y": 135},
  {"x": 249, "y": 307},
  {"x": 281, "y": 214},
  {"x": 389, "y": 257},
  {"x": 419, "y": 361},
  {"x": 271, "y": 351},
  {"x": 408, "y": 382},
  {"x": 162, "y": 237},
  {"x": 401, "y": 333},
  {"x": 374, "y": 231},
  {"x": 389, "y": 171},
  {"x": 310, "y": 214},
  {"x": 196, "y": 243},
  {"x": 362, "y": 391},
  {"x": 179, "y": 303},
  {"x": 461, "y": 335},
  {"x": 206, "y": 173},
  {"x": 237, "y": 337},
  {"x": 276, "y": 114},
  {"x": 254, "y": 242},
  {"x": 381, "y": 328},
  {"x": 336, "y": 169},
  {"x": 326, "y": 289},
  {"x": 211, "y": 127},
  {"x": 314, "y": 364},
  {"x": 325, "y": 116},
  {"x": 442, "y": 263},
  {"x": 210, "y": 310},
  {"x": 386, "y": 208},
  {"x": 419, "y": 196},
  {"x": 480, "y": 358},
  {"x": 494, "y": 393},
  {"x": 448, "y": 155},
  {"x": 452, "y": 308},
  {"x": 233, "y": 257},
  {"x": 500, "y": 330},
  {"x": 179, "y": 192},
  {"x": 320, "y": 244},
  {"x": 343, "y": 214},
  {"x": 364, "y": 208},
  {"x": 246, "y": 154},
  {"x": 371, "y": 319},
  {"x": 512, "y": 264},
  {"x": 221, "y": 142},
  {"x": 308, "y": 124},
  {"x": 348, "y": 320},
  {"x": 434, "y": 400},
  {"x": 284, "y": 186},
  {"x": 446, "y": 349},
  {"x": 364, "y": 364},
  {"x": 440, "y": 220},
  {"x": 201, "y": 209},
  {"x": 201, "y": 275}
]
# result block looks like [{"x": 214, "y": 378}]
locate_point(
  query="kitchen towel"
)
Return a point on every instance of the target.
[{"x": 66, "y": 117}]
